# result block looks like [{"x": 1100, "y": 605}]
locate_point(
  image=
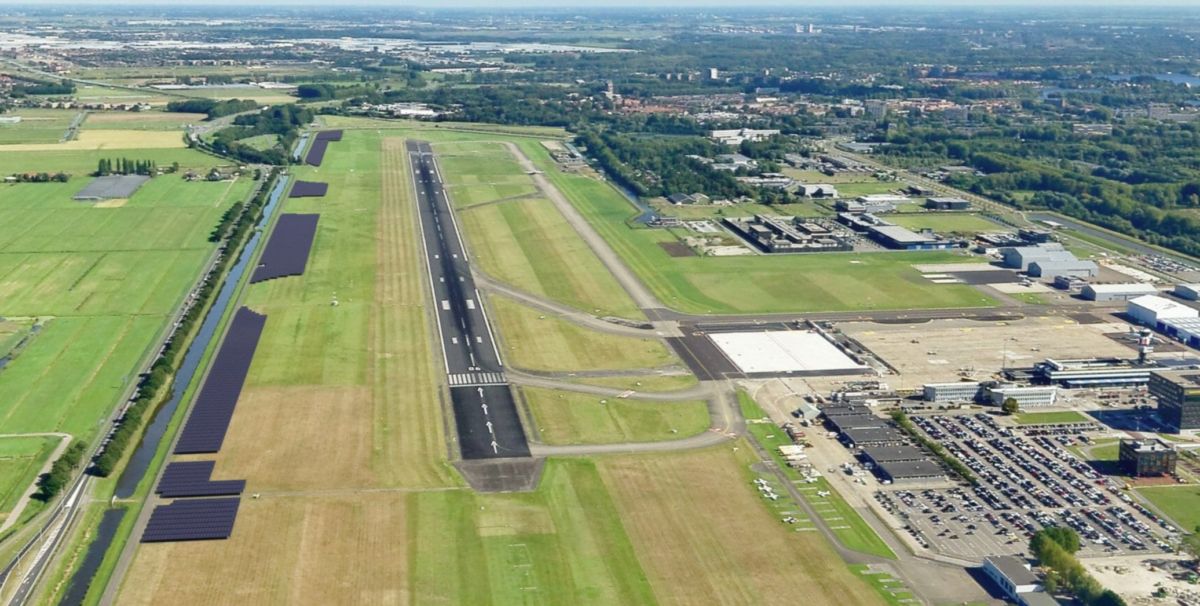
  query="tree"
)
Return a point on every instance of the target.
[
  {"x": 1010, "y": 406},
  {"x": 1062, "y": 536},
  {"x": 1191, "y": 543}
]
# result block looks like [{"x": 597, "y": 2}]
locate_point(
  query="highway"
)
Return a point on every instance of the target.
[{"x": 485, "y": 412}]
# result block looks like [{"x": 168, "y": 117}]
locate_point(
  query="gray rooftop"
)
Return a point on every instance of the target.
[
  {"x": 912, "y": 469},
  {"x": 884, "y": 454},
  {"x": 873, "y": 434},
  {"x": 1014, "y": 569},
  {"x": 901, "y": 235}
]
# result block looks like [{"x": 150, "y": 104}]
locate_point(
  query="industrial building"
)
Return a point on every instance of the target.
[
  {"x": 1117, "y": 292},
  {"x": 1048, "y": 260},
  {"x": 892, "y": 199},
  {"x": 865, "y": 204},
  {"x": 817, "y": 190},
  {"x": 1091, "y": 373},
  {"x": 878, "y": 455},
  {"x": 947, "y": 204},
  {"x": 1191, "y": 292},
  {"x": 893, "y": 236},
  {"x": 962, "y": 391},
  {"x": 787, "y": 235},
  {"x": 1151, "y": 310},
  {"x": 871, "y": 436},
  {"x": 845, "y": 422},
  {"x": 1187, "y": 330},
  {"x": 1178, "y": 394},
  {"x": 737, "y": 135},
  {"x": 1015, "y": 578},
  {"x": 1148, "y": 458},
  {"x": 901, "y": 472},
  {"x": 1069, "y": 283},
  {"x": 1026, "y": 397}
]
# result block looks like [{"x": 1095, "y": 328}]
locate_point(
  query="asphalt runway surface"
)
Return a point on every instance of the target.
[{"x": 485, "y": 411}]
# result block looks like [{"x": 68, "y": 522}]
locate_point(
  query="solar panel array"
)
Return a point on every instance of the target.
[
  {"x": 194, "y": 479},
  {"x": 308, "y": 189},
  {"x": 316, "y": 151},
  {"x": 287, "y": 250},
  {"x": 192, "y": 520},
  {"x": 209, "y": 420}
]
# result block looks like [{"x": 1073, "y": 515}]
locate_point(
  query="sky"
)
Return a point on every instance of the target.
[{"x": 696, "y": 4}]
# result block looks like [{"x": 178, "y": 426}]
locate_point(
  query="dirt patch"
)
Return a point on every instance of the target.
[
  {"x": 344, "y": 549},
  {"x": 677, "y": 249},
  {"x": 114, "y": 203}
]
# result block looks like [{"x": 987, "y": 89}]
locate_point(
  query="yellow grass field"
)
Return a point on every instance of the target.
[
  {"x": 338, "y": 549},
  {"x": 107, "y": 139},
  {"x": 139, "y": 117},
  {"x": 703, "y": 537}
]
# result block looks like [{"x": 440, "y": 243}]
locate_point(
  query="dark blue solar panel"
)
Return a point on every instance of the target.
[
  {"x": 194, "y": 479},
  {"x": 287, "y": 250},
  {"x": 192, "y": 520},
  {"x": 330, "y": 135},
  {"x": 308, "y": 189},
  {"x": 210, "y": 416},
  {"x": 316, "y": 151}
]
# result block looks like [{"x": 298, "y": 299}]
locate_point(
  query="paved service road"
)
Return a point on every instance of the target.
[{"x": 485, "y": 412}]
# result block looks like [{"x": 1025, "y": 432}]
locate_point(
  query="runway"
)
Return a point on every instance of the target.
[{"x": 485, "y": 412}]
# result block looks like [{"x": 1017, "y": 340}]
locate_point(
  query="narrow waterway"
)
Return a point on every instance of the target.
[{"x": 144, "y": 454}]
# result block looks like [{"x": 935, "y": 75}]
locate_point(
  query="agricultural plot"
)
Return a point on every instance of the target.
[
  {"x": 107, "y": 139},
  {"x": 563, "y": 417},
  {"x": 37, "y": 126},
  {"x": 560, "y": 545},
  {"x": 20, "y": 461},
  {"x": 148, "y": 120},
  {"x": 80, "y": 163},
  {"x": 730, "y": 551},
  {"x": 534, "y": 341}
]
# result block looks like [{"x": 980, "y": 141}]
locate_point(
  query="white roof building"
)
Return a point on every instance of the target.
[
  {"x": 1117, "y": 292},
  {"x": 1150, "y": 310}
]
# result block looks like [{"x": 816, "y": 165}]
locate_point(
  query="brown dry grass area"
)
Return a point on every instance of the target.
[
  {"x": 300, "y": 438},
  {"x": 346, "y": 549},
  {"x": 407, "y": 410},
  {"x": 114, "y": 203},
  {"x": 703, "y": 537}
]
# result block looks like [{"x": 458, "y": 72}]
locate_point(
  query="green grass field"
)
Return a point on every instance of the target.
[
  {"x": 1037, "y": 418},
  {"x": 261, "y": 142},
  {"x": 654, "y": 383},
  {"x": 20, "y": 461},
  {"x": 759, "y": 283},
  {"x": 944, "y": 223},
  {"x": 36, "y": 126},
  {"x": 80, "y": 163},
  {"x": 564, "y": 417},
  {"x": 1180, "y": 503},
  {"x": 534, "y": 342}
]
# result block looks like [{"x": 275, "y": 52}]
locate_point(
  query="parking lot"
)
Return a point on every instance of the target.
[{"x": 1027, "y": 480}]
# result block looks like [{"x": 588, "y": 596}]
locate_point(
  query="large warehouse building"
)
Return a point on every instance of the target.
[
  {"x": 1151, "y": 310},
  {"x": 902, "y": 472},
  {"x": 1117, "y": 292}
]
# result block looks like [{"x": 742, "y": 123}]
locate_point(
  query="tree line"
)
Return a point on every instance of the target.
[
  {"x": 125, "y": 166},
  {"x": 213, "y": 108},
  {"x": 1055, "y": 548}
]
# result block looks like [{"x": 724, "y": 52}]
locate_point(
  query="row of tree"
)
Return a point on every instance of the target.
[
  {"x": 1055, "y": 548},
  {"x": 52, "y": 483},
  {"x": 282, "y": 120},
  {"x": 42, "y": 177},
  {"x": 213, "y": 108},
  {"x": 165, "y": 367},
  {"x": 125, "y": 166}
]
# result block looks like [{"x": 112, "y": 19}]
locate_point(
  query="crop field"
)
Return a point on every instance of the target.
[
  {"x": 758, "y": 283},
  {"x": 534, "y": 342},
  {"x": 528, "y": 244},
  {"x": 355, "y": 385},
  {"x": 20, "y": 461},
  {"x": 728, "y": 551},
  {"x": 944, "y": 223},
  {"x": 560, "y": 545},
  {"x": 149, "y": 120},
  {"x": 262, "y": 95},
  {"x": 37, "y": 126},
  {"x": 107, "y": 140},
  {"x": 564, "y": 417}
]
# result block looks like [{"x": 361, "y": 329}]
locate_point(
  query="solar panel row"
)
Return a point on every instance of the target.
[
  {"x": 210, "y": 416},
  {"x": 316, "y": 151},
  {"x": 287, "y": 250},
  {"x": 308, "y": 189},
  {"x": 194, "y": 479},
  {"x": 193, "y": 520}
]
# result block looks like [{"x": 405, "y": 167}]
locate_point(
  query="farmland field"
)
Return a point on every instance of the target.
[
  {"x": 37, "y": 126},
  {"x": 20, "y": 461},
  {"x": 107, "y": 140},
  {"x": 564, "y": 417},
  {"x": 148, "y": 120},
  {"x": 80, "y": 163},
  {"x": 536, "y": 343}
]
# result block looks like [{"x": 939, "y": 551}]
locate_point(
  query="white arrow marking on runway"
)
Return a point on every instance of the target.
[
  {"x": 484, "y": 408},
  {"x": 473, "y": 364},
  {"x": 495, "y": 448},
  {"x": 489, "y": 426}
]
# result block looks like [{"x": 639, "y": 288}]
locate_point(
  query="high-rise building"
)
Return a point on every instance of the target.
[
  {"x": 877, "y": 109},
  {"x": 1178, "y": 394},
  {"x": 1158, "y": 111},
  {"x": 1142, "y": 458},
  {"x": 713, "y": 73}
]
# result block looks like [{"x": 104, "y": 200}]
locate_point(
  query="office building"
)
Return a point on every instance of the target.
[
  {"x": 1026, "y": 397},
  {"x": 947, "y": 204},
  {"x": 1091, "y": 373},
  {"x": 1148, "y": 458},
  {"x": 963, "y": 391},
  {"x": 1178, "y": 394}
]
